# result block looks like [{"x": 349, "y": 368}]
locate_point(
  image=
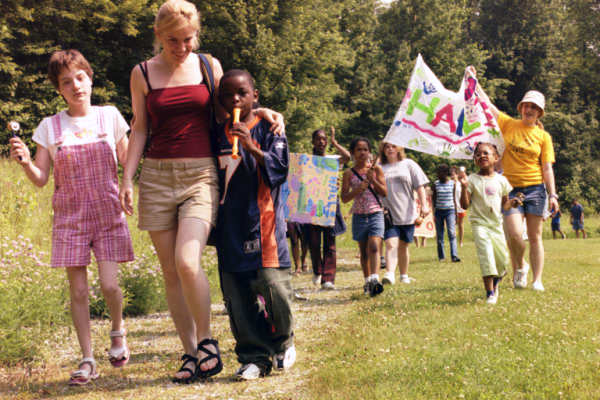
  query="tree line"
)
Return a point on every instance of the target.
[{"x": 334, "y": 62}]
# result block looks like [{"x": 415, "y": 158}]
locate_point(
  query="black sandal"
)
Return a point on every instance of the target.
[
  {"x": 217, "y": 368},
  {"x": 186, "y": 358}
]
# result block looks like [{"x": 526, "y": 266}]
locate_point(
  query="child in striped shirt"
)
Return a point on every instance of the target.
[{"x": 445, "y": 212}]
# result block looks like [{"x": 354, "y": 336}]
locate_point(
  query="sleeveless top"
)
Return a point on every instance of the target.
[
  {"x": 364, "y": 203},
  {"x": 444, "y": 195},
  {"x": 179, "y": 119}
]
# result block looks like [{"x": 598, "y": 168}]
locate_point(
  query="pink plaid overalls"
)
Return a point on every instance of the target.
[{"x": 87, "y": 212}]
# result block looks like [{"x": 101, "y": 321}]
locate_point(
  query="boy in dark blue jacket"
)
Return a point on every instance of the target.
[{"x": 252, "y": 250}]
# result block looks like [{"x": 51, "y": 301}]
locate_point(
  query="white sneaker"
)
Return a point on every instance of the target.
[
  {"x": 405, "y": 279},
  {"x": 316, "y": 280},
  {"x": 285, "y": 360},
  {"x": 537, "y": 285},
  {"x": 388, "y": 278},
  {"x": 327, "y": 286},
  {"x": 520, "y": 278},
  {"x": 248, "y": 372},
  {"x": 492, "y": 299}
]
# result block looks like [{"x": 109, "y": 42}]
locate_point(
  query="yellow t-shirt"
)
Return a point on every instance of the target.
[{"x": 526, "y": 149}]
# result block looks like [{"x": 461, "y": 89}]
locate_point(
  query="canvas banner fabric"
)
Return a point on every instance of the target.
[
  {"x": 435, "y": 120},
  {"x": 312, "y": 187}
]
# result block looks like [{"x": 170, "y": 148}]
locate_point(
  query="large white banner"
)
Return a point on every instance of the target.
[{"x": 435, "y": 120}]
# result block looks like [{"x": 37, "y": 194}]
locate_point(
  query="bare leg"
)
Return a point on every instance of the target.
[
  {"x": 364, "y": 258},
  {"x": 164, "y": 243},
  {"x": 374, "y": 244},
  {"x": 460, "y": 224},
  {"x": 109, "y": 284},
  {"x": 536, "y": 246},
  {"x": 80, "y": 310},
  {"x": 513, "y": 229},
  {"x": 488, "y": 283},
  {"x": 403, "y": 257},
  {"x": 416, "y": 240},
  {"x": 391, "y": 254},
  {"x": 191, "y": 239}
]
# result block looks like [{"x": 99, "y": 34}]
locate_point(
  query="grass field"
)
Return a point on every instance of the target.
[{"x": 435, "y": 338}]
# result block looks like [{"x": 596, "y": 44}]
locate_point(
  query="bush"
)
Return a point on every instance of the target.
[{"x": 33, "y": 300}]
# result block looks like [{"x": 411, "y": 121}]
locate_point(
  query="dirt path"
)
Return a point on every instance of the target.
[{"x": 156, "y": 350}]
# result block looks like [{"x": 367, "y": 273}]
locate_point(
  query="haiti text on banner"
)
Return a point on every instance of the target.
[
  {"x": 312, "y": 187},
  {"x": 434, "y": 120}
]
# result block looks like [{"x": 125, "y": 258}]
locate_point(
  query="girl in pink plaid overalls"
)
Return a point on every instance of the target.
[{"x": 82, "y": 143}]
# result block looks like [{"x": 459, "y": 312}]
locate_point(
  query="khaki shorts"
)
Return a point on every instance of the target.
[{"x": 172, "y": 190}]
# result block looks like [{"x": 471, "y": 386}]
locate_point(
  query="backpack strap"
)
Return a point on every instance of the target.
[
  {"x": 144, "y": 69},
  {"x": 206, "y": 66}
]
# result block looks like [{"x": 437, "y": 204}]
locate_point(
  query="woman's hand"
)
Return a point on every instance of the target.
[
  {"x": 553, "y": 205},
  {"x": 126, "y": 196},
  {"x": 19, "y": 151},
  {"x": 274, "y": 118}
]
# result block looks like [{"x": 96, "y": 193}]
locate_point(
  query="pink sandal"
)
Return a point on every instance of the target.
[
  {"x": 82, "y": 376},
  {"x": 120, "y": 356}
]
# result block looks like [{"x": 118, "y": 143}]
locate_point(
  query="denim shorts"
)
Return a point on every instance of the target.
[
  {"x": 406, "y": 233},
  {"x": 577, "y": 225},
  {"x": 366, "y": 225},
  {"x": 534, "y": 203}
]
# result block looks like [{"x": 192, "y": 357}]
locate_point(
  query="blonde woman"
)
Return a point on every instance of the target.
[
  {"x": 527, "y": 163},
  {"x": 403, "y": 177},
  {"x": 171, "y": 97}
]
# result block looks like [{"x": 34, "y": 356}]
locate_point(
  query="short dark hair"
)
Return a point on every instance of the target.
[
  {"x": 443, "y": 168},
  {"x": 355, "y": 141},
  {"x": 315, "y": 133},
  {"x": 238, "y": 72},
  {"x": 67, "y": 59}
]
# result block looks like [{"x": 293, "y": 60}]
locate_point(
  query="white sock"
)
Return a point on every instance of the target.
[
  {"x": 404, "y": 276},
  {"x": 375, "y": 277}
]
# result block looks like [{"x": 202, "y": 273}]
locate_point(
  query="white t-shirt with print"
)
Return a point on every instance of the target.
[
  {"x": 83, "y": 130},
  {"x": 402, "y": 179}
]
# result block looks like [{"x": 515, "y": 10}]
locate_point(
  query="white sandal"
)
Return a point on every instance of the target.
[
  {"x": 83, "y": 376},
  {"x": 120, "y": 356}
]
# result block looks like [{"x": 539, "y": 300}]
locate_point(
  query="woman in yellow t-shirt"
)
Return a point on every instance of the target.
[{"x": 527, "y": 163}]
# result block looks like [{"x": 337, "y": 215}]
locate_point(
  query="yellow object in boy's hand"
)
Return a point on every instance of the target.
[{"x": 236, "y": 119}]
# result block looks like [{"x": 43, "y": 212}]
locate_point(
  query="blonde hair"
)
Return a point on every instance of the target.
[
  {"x": 383, "y": 157},
  {"x": 174, "y": 15}
]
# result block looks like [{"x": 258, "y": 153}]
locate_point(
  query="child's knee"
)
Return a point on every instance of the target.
[{"x": 110, "y": 289}]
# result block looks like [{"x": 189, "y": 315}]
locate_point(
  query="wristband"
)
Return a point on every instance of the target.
[{"x": 554, "y": 196}]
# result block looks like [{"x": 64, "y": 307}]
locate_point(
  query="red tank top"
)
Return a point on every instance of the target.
[{"x": 180, "y": 121}]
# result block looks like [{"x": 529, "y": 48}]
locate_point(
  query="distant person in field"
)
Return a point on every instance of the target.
[
  {"x": 83, "y": 143},
  {"x": 577, "y": 219},
  {"x": 363, "y": 184},
  {"x": 403, "y": 178},
  {"x": 321, "y": 239},
  {"x": 527, "y": 163},
  {"x": 486, "y": 192},
  {"x": 444, "y": 203},
  {"x": 555, "y": 224},
  {"x": 254, "y": 261}
]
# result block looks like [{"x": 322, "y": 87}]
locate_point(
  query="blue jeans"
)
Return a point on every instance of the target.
[{"x": 449, "y": 218}]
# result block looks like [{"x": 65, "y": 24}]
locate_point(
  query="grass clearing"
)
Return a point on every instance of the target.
[{"x": 435, "y": 338}]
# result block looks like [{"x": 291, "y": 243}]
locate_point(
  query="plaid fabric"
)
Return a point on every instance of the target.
[{"x": 87, "y": 212}]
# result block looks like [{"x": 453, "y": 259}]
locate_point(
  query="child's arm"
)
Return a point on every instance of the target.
[
  {"x": 433, "y": 196},
  {"x": 465, "y": 196},
  {"x": 37, "y": 171},
  {"x": 347, "y": 194},
  {"x": 377, "y": 179},
  {"x": 345, "y": 154}
]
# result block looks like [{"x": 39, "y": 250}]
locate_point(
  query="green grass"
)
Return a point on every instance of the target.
[{"x": 437, "y": 338}]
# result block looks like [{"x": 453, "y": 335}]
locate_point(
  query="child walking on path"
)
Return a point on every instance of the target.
[
  {"x": 577, "y": 219},
  {"x": 555, "y": 224},
  {"x": 445, "y": 212},
  {"x": 83, "y": 143},
  {"x": 364, "y": 183},
  {"x": 487, "y": 193},
  {"x": 253, "y": 255}
]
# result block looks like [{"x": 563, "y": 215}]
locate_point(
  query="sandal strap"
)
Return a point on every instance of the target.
[
  {"x": 211, "y": 354},
  {"x": 83, "y": 373},
  {"x": 119, "y": 333},
  {"x": 186, "y": 358}
]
